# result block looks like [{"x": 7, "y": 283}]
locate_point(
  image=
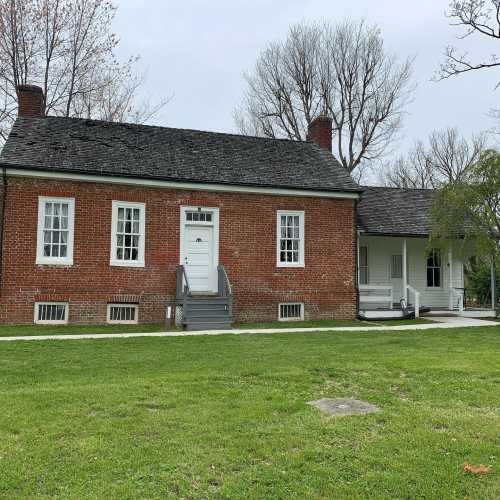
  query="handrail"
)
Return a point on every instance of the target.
[
  {"x": 225, "y": 288},
  {"x": 416, "y": 303},
  {"x": 457, "y": 293},
  {"x": 183, "y": 289}
]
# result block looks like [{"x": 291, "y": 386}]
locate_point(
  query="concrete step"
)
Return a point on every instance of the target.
[
  {"x": 194, "y": 315},
  {"x": 207, "y": 325}
]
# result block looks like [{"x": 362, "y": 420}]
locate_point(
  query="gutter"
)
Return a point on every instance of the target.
[{"x": 77, "y": 175}]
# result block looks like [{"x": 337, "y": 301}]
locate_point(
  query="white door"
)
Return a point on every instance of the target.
[{"x": 199, "y": 257}]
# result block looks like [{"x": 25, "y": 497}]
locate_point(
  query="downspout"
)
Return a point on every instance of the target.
[
  {"x": 356, "y": 255},
  {"x": 2, "y": 219}
]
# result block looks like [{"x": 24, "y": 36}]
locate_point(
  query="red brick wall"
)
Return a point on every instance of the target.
[{"x": 247, "y": 248}]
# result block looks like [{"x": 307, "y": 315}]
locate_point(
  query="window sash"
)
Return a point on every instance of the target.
[
  {"x": 198, "y": 217},
  {"x": 434, "y": 269},
  {"x": 290, "y": 239},
  {"x": 122, "y": 313},
  {"x": 55, "y": 230},
  {"x": 396, "y": 266},
  {"x": 291, "y": 311},
  {"x": 363, "y": 265},
  {"x": 51, "y": 313},
  {"x": 127, "y": 234}
]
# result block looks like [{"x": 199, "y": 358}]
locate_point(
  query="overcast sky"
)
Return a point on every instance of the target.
[{"x": 198, "y": 50}]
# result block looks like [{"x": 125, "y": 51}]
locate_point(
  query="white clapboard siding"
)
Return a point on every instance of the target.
[{"x": 380, "y": 252}]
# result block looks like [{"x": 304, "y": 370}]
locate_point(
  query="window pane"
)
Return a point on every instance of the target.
[
  {"x": 430, "y": 277},
  {"x": 289, "y": 239},
  {"x": 290, "y": 311},
  {"x": 128, "y": 234},
  {"x": 51, "y": 312},
  {"x": 397, "y": 266},
  {"x": 437, "y": 277},
  {"x": 363, "y": 276},
  {"x": 122, "y": 313}
]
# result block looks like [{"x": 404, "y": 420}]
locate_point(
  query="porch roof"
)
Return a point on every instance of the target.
[{"x": 387, "y": 211}]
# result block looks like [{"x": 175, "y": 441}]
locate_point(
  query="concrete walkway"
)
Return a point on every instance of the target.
[{"x": 441, "y": 322}]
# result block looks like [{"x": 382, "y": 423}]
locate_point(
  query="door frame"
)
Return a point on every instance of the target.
[{"x": 215, "y": 241}]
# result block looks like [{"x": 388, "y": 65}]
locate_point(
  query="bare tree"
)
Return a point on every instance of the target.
[
  {"x": 411, "y": 171},
  {"x": 67, "y": 47},
  {"x": 476, "y": 17},
  {"x": 447, "y": 158},
  {"x": 342, "y": 70}
]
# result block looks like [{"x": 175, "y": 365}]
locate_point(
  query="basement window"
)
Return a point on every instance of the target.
[
  {"x": 291, "y": 312},
  {"x": 122, "y": 313},
  {"x": 52, "y": 313}
]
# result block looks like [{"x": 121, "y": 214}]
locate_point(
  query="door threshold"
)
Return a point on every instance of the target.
[{"x": 204, "y": 294}]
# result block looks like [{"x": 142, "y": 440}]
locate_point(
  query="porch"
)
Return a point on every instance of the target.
[{"x": 399, "y": 277}]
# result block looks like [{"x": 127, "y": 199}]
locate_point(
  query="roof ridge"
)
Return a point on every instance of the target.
[
  {"x": 396, "y": 188},
  {"x": 163, "y": 127}
]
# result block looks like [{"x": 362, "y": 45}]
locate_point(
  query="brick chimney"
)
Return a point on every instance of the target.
[
  {"x": 320, "y": 132},
  {"x": 31, "y": 102}
]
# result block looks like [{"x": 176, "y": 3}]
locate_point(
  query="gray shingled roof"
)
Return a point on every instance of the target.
[
  {"x": 117, "y": 149},
  {"x": 395, "y": 211}
]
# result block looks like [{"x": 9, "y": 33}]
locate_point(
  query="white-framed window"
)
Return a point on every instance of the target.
[
  {"x": 363, "y": 265},
  {"x": 55, "y": 233},
  {"x": 396, "y": 266},
  {"x": 128, "y": 231},
  {"x": 434, "y": 268},
  {"x": 51, "y": 313},
  {"x": 291, "y": 311},
  {"x": 199, "y": 216},
  {"x": 123, "y": 313},
  {"x": 290, "y": 238}
]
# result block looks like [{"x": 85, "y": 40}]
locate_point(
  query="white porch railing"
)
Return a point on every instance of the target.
[
  {"x": 380, "y": 294},
  {"x": 416, "y": 299},
  {"x": 456, "y": 297}
]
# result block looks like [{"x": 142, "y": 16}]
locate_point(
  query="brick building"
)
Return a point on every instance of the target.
[{"x": 111, "y": 222}]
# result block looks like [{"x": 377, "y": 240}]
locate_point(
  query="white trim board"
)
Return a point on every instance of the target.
[
  {"x": 214, "y": 224},
  {"x": 189, "y": 186}
]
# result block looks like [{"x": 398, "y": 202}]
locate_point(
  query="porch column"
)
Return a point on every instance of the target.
[
  {"x": 450, "y": 283},
  {"x": 357, "y": 261},
  {"x": 405, "y": 277}
]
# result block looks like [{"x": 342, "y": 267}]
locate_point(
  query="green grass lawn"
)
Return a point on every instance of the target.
[{"x": 226, "y": 417}]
